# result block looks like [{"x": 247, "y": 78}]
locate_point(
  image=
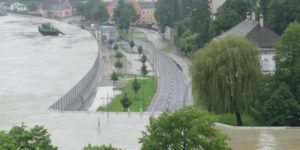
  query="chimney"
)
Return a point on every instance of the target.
[
  {"x": 253, "y": 16},
  {"x": 248, "y": 15},
  {"x": 261, "y": 20}
]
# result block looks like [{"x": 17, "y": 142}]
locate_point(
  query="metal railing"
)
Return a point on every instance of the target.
[{"x": 76, "y": 96}]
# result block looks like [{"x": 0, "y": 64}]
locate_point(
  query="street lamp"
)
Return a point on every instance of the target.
[{"x": 154, "y": 63}]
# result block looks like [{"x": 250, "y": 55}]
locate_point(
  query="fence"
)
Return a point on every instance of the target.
[{"x": 81, "y": 90}]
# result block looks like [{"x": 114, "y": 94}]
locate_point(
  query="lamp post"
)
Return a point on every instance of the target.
[{"x": 154, "y": 63}]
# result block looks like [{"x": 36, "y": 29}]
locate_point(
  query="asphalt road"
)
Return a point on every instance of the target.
[{"x": 171, "y": 91}]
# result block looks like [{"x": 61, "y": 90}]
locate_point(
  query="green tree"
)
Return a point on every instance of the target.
[
  {"x": 230, "y": 14},
  {"x": 99, "y": 11},
  {"x": 80, "y": 7},
  {"x": 116, "y": 47},
  {"x": 125, "y": 14},
  {"x": 119, "y": 55},
  {"x": 183, "y": 15},
  {"x": 102, "y": 147},
  {"x": 125, "y": 101},
  {"x": 166, "y": 13},
  {"x": 94, "y": 10},
  {"x": 136, "y": 87},
  {"x": 196, "y": 18},
  {"x": 278, "y": 102},
  {"x": 225, "y": 73},
  {"x": 264, "y": 7},
  {"x": 188, "y": 128},
  {"x": 143, "y": 59},
  {"x": 282, "y": 109},
  {"x": 119, "y": 65},
  {"x": 140, "y": 50},
  {"x": 131, "y": 44},
  {"x": 266, "y": 86},
  {"x": 281, "y": 13},
  {"x": 188, "y": 42},
  {"x": 144, "y": 70},
  {"x": 21, "y": 138},
  {"x": 114, "y": 77},
  {"x": 288, "y": 59}
]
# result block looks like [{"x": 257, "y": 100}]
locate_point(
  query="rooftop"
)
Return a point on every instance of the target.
[
  {"x": 261, "y": 35},
  {"x": 56, "y": 4},
  {"x": 147, "y": 5}
]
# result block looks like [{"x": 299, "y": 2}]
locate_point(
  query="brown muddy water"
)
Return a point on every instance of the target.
[{"x": 262, "y": 138}]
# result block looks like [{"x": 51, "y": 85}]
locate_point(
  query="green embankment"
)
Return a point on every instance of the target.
[
  {"x": 146, "y": 89},
  {"x": 231, "y": 120}
]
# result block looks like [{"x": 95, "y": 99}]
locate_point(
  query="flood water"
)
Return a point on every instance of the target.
[{"x": 263, "y": 138}]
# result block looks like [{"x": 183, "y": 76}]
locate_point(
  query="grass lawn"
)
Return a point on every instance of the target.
[
  {"x": 116, "y": 106},
  {"x": 168, "y": 47},
  {"x": 135, "y": 36},
  {"x": 231, "y": 120}
]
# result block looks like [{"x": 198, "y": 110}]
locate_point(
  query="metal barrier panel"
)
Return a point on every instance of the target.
[{"x": 82, "y": 89}]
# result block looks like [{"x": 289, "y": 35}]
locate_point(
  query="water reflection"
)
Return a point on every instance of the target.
[
  {"x": 262, "y": 138},
  {"x": 267, "y": 141}
]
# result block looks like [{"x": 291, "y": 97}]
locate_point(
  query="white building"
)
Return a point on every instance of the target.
[
  {"x": 16, "y": 6},
  {"x": 262, "y": 36}
]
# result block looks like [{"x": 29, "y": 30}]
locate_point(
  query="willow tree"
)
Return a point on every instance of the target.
[{"x": 225, "y": 73}]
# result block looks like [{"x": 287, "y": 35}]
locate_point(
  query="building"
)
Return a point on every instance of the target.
[
  {"x": 16, "y": 6},
  {"x": 13, "y": 5},
  {"x": 106, "y": 33},
  {"x": 147, "y": 14},
  {"x": 262, "y": 36},
  {"x": 56, "y": 8}
]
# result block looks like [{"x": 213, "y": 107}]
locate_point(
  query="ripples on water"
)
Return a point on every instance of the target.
[{"x": 267, "y": 141}]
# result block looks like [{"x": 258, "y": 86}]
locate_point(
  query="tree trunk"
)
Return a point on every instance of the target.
[
  {"x": 184, "y": 146},
  {"x": 238, "y": 118}
]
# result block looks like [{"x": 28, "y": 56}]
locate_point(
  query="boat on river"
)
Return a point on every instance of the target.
[{"x": 48, "y": 29}]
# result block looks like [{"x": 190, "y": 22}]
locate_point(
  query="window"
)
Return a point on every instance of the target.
[{"x": 265, "y": 65}]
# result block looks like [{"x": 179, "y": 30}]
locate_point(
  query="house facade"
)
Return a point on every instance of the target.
[
  {"x": 56, "y": 8},
  {"x": 262, "y": 36},
  {"x": 147, "y": 16}
]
